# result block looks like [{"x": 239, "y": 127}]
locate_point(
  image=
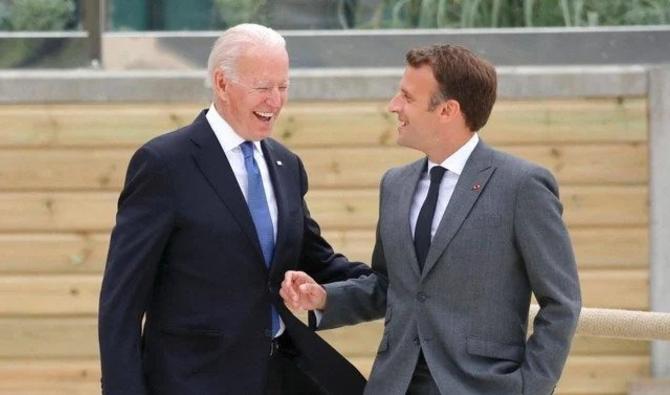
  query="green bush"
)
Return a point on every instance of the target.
[
  {"x": 36, "y": 15},
  {"x": 514, "y": 13}
]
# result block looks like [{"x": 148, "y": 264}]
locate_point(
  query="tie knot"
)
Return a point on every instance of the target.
[
  {"x": 436, "y": 174},
  {"x": 247, "y": 149}
]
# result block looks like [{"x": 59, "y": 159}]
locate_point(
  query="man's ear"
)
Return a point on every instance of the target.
[
  {"x": 220, "y": 83},
  {"x": 449, "y": 109}
]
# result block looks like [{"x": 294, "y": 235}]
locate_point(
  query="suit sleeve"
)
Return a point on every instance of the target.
[
  {"x": 143, "y": 224},
  {"x": 550, "y": 265},
  {"x": 359, "y": 299}
]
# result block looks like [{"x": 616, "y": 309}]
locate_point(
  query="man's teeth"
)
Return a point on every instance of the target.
[
  {"x": 264, "y": 114},
  {"x": 403, "y": 123}
]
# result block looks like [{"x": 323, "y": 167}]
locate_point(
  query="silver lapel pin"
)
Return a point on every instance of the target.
[{"x": 279, "y": 163}]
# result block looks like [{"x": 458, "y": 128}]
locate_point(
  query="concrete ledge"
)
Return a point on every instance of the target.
[{"x": 56, "y": 86}]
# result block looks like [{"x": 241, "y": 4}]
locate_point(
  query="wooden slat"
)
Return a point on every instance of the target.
[
  {"x": 50, "y": 371},
  {"x": 603, "y": 248},
  {"x": 325, "y": 124},
  {"x": 58, "y": 337},
  {"x": 76, "y": 337},
  {"x": 611, "y": 247},
  {"x": 585, "y": 121},
  {"x": 63, "y": 169},
  {"x": 586, "y": 345},
  {"x": 53, "y": 253},
  {"x": 601, "y": 375},
  {"x": 334, "y": 209},
  {"x": 363, "y": 339},
  {"x": 595, "y": 248},
  {"x": 78, "y": 294},
  {"x": 104, "y": 169},
  {"x": 584, "y": 206},
  {"x": 625, "y": 289},
  {"x": 49, "y": 295},
  {"x": 69, "y": 212},
  {"x": 582, "y": 374}
]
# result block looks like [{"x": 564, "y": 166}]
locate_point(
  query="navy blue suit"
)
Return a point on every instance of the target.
[{"x": 185, "y": 256}]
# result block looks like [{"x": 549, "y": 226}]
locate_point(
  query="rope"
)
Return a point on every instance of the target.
[{"x": 628, "y": 324}]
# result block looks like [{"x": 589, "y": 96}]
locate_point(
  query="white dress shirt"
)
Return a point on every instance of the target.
[
  {"x": 230, "y": 143},
  {"x": 454, "y": 165}
]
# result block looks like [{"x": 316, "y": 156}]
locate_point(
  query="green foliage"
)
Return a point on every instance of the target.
[
  {"x": 36, "y": 15},
  {"x": 233, "y": 12},
  {"x": 515, "y": 13}
]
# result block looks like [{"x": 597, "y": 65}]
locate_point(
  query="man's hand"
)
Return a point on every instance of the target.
[{"x": 300, "y": 291}]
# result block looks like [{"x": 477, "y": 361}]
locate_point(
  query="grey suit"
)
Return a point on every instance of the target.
[{"x": 501, "y": 238}]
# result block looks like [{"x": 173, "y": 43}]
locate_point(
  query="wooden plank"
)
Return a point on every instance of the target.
[
  {"x": 625, "y": 289},
  {"x": 63, "y": 169},
  {"x": 334, "y": 209},
  {"x": 76, "y": 337},
  {"x": 582, "y": 374},
  {"x": 41, "y": 372},
  {"x": 586, "y": 120},
  {"x": 79, "y": 294},
  {"x": 104, "y": 169},
  {"x": 53, "y": 253},
  {"x": 595, "y": 248},
  {"x": 324, "y": 124},
  {"x": 58, "y": 337},
  {"x": 584, "y": 206},
  {"x": 49, "y": 295},
  {"x": 69, "y": 212},
  {"x": 601, "y": 375},
  {"x": 611, "y": 247}
]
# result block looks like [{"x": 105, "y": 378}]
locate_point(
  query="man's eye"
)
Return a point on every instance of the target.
[
  {"x": 283, "y": 88},
  {"x": 263, "y": 89}
]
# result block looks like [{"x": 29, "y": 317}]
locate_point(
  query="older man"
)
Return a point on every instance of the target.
[
  {"x": 210, "y": 218},
  {"x": 465, "y": 235}
]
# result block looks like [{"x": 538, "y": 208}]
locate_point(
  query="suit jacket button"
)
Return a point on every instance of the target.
[
  {"x": 421, "y": 297},
  {"x": 417, "y": 341}
]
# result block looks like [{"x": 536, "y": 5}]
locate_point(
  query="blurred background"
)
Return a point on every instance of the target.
[{"x": 584, "y": 90}]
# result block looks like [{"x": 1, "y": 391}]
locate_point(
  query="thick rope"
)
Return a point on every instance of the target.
[{"x": 628, "y": 324}]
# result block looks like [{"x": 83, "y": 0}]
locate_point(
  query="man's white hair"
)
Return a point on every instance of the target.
[{"x": 228, "y": 48}]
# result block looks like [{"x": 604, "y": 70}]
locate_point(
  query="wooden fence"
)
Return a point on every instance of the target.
[{"x": 62, "y": 167}]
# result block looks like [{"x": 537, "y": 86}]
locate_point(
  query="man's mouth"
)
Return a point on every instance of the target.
[
  {"x": 402, "y": 123},
  {"x": 264, "y": 116}
]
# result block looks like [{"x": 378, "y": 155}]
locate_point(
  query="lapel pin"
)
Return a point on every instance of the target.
[
  {"x": 476, "y": 187},
  {"x": 279, "y": 163}
]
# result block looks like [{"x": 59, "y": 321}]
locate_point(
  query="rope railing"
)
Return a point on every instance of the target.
[{"x": 626, "y": 324}]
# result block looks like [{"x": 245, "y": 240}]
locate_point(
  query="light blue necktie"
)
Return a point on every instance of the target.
[{"x": 260, "y": 213}]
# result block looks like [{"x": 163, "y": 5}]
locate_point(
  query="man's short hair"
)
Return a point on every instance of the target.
[
  {"x": 230, "y": 45},
  {"x": 462, "y": 76}
]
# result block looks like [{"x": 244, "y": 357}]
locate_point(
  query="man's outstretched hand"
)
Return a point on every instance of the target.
[{"x": 301, "y": 292}]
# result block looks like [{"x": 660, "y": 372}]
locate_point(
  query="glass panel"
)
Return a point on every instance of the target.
[
  {"x": 382, "y": 14},
  {"x": 39, "y": 15}
]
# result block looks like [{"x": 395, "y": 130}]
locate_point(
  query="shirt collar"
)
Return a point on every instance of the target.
[
  {"x": 228, "y": 138},
  {"x": 456, "y": 161}
]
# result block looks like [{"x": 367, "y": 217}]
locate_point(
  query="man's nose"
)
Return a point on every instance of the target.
[
  {"x": 393, "y": 105},
  {"x": 275, "y": 97}
]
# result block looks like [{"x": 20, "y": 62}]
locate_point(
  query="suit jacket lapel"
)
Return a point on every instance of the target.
[
  {"x": 401, "y": 221},
  {"x": 469, "y": 187},
  {"x": 280, "y": 182},
  {"x": 214, "y": 165}
]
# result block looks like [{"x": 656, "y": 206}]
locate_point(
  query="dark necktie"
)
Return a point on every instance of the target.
[
  {"x": 260, "y": 213},
  {"x": 425, "y": 220}
]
